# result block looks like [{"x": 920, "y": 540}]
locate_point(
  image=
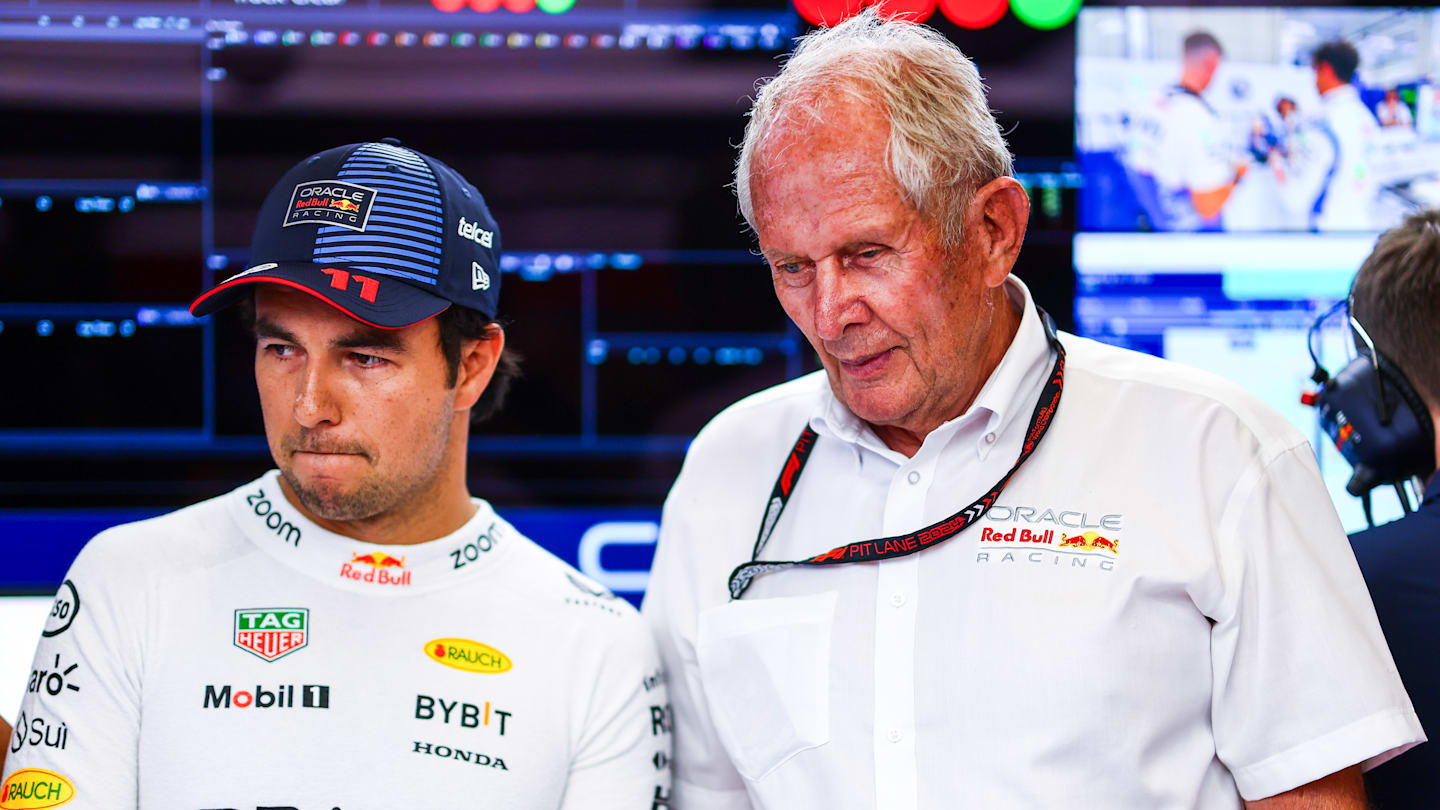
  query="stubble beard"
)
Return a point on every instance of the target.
[{"x": 375, "y": 495}]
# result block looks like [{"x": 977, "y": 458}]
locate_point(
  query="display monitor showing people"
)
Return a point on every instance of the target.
[{"x": 1256, "y": 119}]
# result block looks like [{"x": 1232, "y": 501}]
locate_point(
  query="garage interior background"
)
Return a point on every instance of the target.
[{"x": 139, "y": 138}]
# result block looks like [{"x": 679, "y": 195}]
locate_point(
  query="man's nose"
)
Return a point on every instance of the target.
[
  {"x": 838, "y": 302},
  {"x": 314, "y": 400}
]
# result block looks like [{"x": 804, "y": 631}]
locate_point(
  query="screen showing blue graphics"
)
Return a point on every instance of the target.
[
  {"x": 1256, "y": 119},
  {"x": 1239, "y": 306}
]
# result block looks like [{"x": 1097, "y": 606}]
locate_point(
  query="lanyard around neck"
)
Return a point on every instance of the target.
[{"x": 885, "y": 548}]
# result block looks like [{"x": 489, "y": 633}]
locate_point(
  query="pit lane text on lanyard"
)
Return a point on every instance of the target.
[{"x": 885, "y": 548}]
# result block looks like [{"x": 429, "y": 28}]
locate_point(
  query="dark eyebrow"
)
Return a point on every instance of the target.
[
  {"x": 361, "y": 338},
  {"x": 369, "y": 338},
  {"x": 266, "y": 328}
]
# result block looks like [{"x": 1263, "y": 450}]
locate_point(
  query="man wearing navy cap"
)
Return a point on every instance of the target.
[{"x": 353, "y": 629}]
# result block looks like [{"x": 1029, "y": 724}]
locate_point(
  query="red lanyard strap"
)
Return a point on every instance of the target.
[{"x": 901, "y": 545}]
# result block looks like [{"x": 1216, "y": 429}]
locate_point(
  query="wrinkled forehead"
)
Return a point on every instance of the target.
[{"x": 831, "y": 140}]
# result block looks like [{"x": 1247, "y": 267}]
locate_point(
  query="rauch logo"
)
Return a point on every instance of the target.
[
  {"x": 35, "y": 789},
  {"x": 467, "y": 655}
]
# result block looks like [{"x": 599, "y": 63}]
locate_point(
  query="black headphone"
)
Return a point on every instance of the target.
[{"x": 1373, "y": 415}]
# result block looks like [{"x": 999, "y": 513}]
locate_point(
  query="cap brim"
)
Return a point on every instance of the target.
[{"x": 376, "y": 300}]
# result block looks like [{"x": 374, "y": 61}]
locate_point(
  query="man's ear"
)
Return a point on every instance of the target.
[
  {"x": 995, "y": 223},
  {"x": 478, "y": 359}
]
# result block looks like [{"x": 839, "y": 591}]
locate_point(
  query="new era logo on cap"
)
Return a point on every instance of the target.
[{"x": 479, "y": 279}]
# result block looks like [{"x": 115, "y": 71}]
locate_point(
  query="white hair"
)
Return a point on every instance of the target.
[{"x": 944, "y": 142}]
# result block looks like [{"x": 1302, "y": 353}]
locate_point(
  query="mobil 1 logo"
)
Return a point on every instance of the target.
[{"x": 225, "y": 696}]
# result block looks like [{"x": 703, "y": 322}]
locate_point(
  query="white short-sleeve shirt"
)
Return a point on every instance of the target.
[
  {"x": 1180, "y": 142},
  {"x": 1161, "y": 610},
  {"x": 234, "y": 654}
]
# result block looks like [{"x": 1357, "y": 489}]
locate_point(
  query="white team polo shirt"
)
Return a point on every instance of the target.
[
  {"x": 1161, "y": 610},
  {"x": 234, "y": 654}
]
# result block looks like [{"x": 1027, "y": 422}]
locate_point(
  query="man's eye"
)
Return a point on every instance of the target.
[
  {"x": 872, "y": 253},
  {"x": 367, "y": 360},
  {"x": 278, "y": 349},
  {"x": 791, "y": 267}
]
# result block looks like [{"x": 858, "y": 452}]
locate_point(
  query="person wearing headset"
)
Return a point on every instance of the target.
[{"x": 1395, "y": 305}]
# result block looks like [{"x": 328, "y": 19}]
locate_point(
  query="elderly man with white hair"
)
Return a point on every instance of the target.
[{"x": 974, "y": 562}]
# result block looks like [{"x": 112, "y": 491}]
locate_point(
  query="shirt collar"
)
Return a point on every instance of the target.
[
  {"x": 264, "y": 516},
  {"x": 1335, "y": 94},
  {"x": 1010, "y": 389}
]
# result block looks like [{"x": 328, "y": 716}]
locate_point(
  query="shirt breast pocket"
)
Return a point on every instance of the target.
[{"x": 765, "y": 664}]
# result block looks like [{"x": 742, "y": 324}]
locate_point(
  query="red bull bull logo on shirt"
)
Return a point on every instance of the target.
[
  {"x": 1053, "y": 546},
  {"x": 1090, "y": 541},
  {"x": 383, "y": 569}
]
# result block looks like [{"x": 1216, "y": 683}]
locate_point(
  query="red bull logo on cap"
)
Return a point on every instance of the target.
[
  {"x": 330, "y": 202},
  {"x": 383, "y": 569}
]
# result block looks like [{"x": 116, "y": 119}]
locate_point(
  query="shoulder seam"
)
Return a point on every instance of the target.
[{"x": 1267, "y": 447}]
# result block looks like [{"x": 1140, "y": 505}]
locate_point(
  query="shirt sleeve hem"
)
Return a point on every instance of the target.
[
  {"x": 1370, "y": 740},
  {"x": 694, "y": 797}
]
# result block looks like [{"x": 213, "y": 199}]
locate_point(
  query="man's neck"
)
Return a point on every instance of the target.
[
  {"x": 906, "y": 439},
  {"x": 428, "y": 516}
]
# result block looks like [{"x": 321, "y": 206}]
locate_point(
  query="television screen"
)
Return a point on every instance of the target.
[
  {"x": 1256, "y": 119},
  {"x": 1239, "y": 306}
]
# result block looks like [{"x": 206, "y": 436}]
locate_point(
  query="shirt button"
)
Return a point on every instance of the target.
[
  {"x": 989, "y": 438},
  {"x": 897, "y": 599},
  {"x": 895, "y": 736},
  {"x": 913, "y": 477}
]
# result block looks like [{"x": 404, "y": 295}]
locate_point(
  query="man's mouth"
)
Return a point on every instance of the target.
[{"x": 865, "y": 365}]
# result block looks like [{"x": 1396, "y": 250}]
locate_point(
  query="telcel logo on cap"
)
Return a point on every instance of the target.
[
  {"x": 475, "y": 233},
  {"x": 330, "y": 202}
]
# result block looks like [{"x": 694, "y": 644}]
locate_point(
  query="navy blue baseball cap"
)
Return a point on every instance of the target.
[{"x": 385, "y": 234}]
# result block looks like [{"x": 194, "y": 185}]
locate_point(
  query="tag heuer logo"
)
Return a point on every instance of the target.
[{"x": 272, "y": 633}]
